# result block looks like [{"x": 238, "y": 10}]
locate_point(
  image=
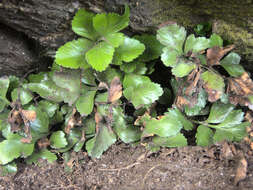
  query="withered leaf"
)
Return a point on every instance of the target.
[
  {"x": 213, "y": 95},
  {"x": 74, "y": 120},
  {"x": 30, "y": 115},
  {"x": 215, "y": 54},
  {"x": 43, "y": 143},
  {"x": 115, "y": 90},
  {"x": 193, "y": 79},
  {"x": 241, "y": 171},
  {"x": 239, "y": 89},
  {"x": 242, "y": 85},
  {"x": 181, "y": 102}
]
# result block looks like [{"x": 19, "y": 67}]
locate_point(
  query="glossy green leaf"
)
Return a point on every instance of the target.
[
  {"x": 4, "y": 85},
  {"x": 231, "y": 64},
  {"x": 114, "y": 39},
  {"x": 48, "y": 107},
  {"x": 25, "y": 95},
  {"x": 180, "y": 117},
  {"x": 79, "y": 145},
  {"x": 110, "y": 23},
  {"x": 131, "y": 80},
  {"x": 48, "y": 90},
  {"x": 42, "y": 154},
  {"x": 8, "y": 169},
  {"x": 74, "y": 137},
  {"x": 88, "y": 77},
  {"x": 235, "y": 133},
  {"x": 72, "y": 54},
  {"x": 58, "y": 140},
  {"x": 134, "y": 67},
  {"x": 195, "y": 45},
  {"x": 85, "y": 103},
  {"x": 13, "y": 148},
  {"x": 90, "y": 125},
  {"x": 235, "y": 117},
  {"x": 153, "y": 48},
  {"x": 128, "y": 51},
  {"x": 167, "y": 126},
  {"x": 37, "y": 78},
  {"x": 169, "y": 57},
  {"x": 69, "y": 80},
  {"x": 219, "y": 112},
  {"x": 213, "y": 81},
  {"x": 101, "y": 62},
  {"x": 204, "y": 136},
  {"x": 101, "y": 142},
  {"x": 82, "y": 24},
  {"x": 143, "y": 94},
  {"x": 174, "y": 141},
  {"x": 109, "y": 74},
  {"x": 172, "y": 36},
  {"x": 182, "y": 69},
  {"x": 124, "y": 131},
  {"x": 40, "y": 126},
  {"x": 216, "y": 40}
]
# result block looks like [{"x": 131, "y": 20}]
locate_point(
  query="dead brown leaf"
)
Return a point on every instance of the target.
[
  {"x": 115, "y": 90},
  {"x": 43, "y": 143},
  {"x": 215, "y": 54},
  {"x": 213, "y": 95},
  {"x": 30, "y": 115},
  {"x": 239, "y": 89},
  {"x": 74, "y": 120},
  {"x": 241, "y": 171}
]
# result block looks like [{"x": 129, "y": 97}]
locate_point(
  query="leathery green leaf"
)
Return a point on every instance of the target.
[
  {"x": 13, "y": 148},
  {"x": 180, "y": 117},
  {"x": 196, "y": 45},
  {"x": 174, "y": 141},
  {"x": 105, "y": 52},
  {"x": 58, "y": 140},
  {"x": 85, "y": 103},
  {"x": 153, "y": 48},
  {"x": 167, "y": 126},
  {"x": 219, "y": 112},
  {"x": 204, "y": 136},
  {"x": 25, "y": 95},
  {"x": 42, "y": 154},
  {"x": 82, "y": 24},
  {"x": 143, "y": 94},
  {"x": 172, "y": 36},
  {"x": 128, "y": 51},
  {"x": 213, "y": 81},
  {"x": 101, "y": 142},
  {"x": 182, "y": 69},
  {"x": 216, "y": 40},
  {"x": 72, "y": 54},
  {"x": 169, "y": 57},
  {"x": 231, "y": 64},
  {"x": 111, "y": 23}
]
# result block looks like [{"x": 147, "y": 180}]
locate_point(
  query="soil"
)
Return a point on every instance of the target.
[{"x": 126, "y": 167}]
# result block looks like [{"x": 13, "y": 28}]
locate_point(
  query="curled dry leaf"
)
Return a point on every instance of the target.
[
  {"x": 115, "y": 90},
  {"x": 193, "y": 79},
  {"x": 74, "y": 120},
  {"x": 239, "y": 89},
  {"x": 15, "y": 120},
  {"x": 215, "y": 54}
]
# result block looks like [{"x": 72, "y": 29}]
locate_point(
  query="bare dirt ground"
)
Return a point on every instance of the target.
[{"x": 124, "y": 167}]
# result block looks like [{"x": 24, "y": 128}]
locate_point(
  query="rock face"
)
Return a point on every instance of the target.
[{"x": 49, "y": 22}]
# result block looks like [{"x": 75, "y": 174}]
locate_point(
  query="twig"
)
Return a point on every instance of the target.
[
  {"x": 118, "y": 169},
  {"x": 146, "y": 175}
]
